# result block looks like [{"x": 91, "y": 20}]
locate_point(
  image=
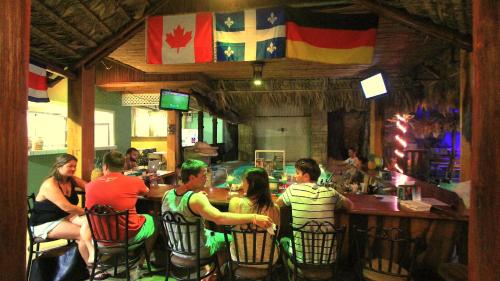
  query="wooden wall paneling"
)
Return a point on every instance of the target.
[
  {"x": 484, "y": 250},
  {"x": 14, "y": 55},
  {"x": 81, "y": 104}
]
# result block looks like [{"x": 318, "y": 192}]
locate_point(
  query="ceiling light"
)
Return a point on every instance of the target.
[{"x": 257, "y": 72}]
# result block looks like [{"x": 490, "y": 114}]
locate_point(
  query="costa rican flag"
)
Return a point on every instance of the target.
[
  {"x": 37, "y": 84},
  {"x": 250, "y": 35}
]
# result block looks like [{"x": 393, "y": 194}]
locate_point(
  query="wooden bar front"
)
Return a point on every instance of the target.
[{"x": 442, "y": 231}]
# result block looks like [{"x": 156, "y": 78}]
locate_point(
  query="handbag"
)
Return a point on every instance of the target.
[{"x": 60, "y": 264}]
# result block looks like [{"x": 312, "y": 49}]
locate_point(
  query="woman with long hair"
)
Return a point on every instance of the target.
[
  {"x": 258, "y": 200},
  {"x": 56, "y": 213}
]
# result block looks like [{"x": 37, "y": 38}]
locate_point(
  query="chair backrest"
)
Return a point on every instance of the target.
[
  {"x": 107, "y": 225},
  {"x": 390, "y": 251},
  {"x": 317, "y": 243},
  {"x": 182, "y": 236},
  {"x": 252, "y": 245},
  {"x": 30, "y": 204}
]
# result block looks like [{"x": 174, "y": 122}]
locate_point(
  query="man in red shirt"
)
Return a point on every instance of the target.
[{"x": 120, "y": 192}]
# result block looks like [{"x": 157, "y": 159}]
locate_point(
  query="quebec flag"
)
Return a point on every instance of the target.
[{"x": 250, "y": 35}]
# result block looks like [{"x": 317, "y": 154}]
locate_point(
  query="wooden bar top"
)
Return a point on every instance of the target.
[{"x": 363, "y": 204}]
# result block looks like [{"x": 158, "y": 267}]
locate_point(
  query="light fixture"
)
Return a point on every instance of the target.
[{"x": 257, "y": 72}]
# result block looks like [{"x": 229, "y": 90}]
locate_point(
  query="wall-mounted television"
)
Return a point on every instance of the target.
[
  {"x": 171, "y": 100},
  {"x": 373, "y": 86}
]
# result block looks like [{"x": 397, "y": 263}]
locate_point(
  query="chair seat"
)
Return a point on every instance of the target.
[
  {"x": 372, "y": 275},
  {"x": 453, "y": 272},
  {"x": 248, "y": 272},
  {"x": 190, "y": 262},
  {"x": 117, "y": 249},
  {"x": 313, "y": 272}
]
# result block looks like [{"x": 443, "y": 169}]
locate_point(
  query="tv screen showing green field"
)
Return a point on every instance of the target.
[{"x": 174, "y": 101}]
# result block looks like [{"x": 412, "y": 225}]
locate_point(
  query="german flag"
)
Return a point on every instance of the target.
[{"x": 330, "y": 38}]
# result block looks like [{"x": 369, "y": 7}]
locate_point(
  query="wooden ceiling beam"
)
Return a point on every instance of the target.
[
  {"x": 35, "y": 31},
  {"x": 148, "y": 87},
  {"x": 444, "y": 33},
  {"x": 36, "y": 57},
  {"x": 118, "y": 39},
  {"x": 63, "y": 24}
]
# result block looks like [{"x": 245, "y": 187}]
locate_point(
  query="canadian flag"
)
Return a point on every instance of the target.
[
  {"x": 179, "y": 39},
  {"x": 37, "y": 84}
]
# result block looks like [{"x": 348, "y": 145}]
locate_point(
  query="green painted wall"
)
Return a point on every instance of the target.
[
  {"x": 39, "y": 166},
  {"x": 123, "y": 129}
]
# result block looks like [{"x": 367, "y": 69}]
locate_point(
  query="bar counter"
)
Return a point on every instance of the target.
[
  {"x": 363, "y": 204},
  {"x": 445, "y": 232}
]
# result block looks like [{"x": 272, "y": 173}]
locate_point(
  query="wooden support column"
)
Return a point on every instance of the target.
[
  {"x": 484, "y": 252},
  {"x": 173, "y": 144},
  {"x": 465, "y": 114},
  {"x": 200, "y": 126},
  {"x": 14, "y": 55},
  {"x": 81, "y": 104},
  {"x": 376, "y": 129},
  {"x": 214, "y": 129}
]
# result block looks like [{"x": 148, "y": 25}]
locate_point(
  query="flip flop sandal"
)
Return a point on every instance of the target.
[{"x": 102, "y": 276}]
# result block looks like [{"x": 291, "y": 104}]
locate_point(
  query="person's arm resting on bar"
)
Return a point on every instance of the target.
[{"x": 200, "y": 205}]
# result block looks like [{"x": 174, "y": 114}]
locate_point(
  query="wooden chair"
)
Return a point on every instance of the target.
[
  {"x": 110, "y": 238},
  {"x": 252, "y": 262},
  {"x": 316, "y": 253},
  {"x": 385, "y": 254},
  {"x": 184, "y": 254},
  {"x": 34, "y": 242}
]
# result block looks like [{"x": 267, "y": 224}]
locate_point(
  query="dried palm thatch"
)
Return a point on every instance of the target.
[{"x": 317, "y": 94}]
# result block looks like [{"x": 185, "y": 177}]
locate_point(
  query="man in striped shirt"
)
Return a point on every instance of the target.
[{"x": 308, "y": 200}]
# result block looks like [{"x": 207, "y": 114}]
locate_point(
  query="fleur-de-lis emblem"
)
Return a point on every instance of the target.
[
  {"x": 272, "y": 18},
  {"x": 229, "y": 52},
  {"x": 271, "y": 48},
  {"x": 229, "y": 22}
]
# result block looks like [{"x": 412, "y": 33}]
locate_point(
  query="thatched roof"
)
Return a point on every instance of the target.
[{"x": 68, "y": 34}]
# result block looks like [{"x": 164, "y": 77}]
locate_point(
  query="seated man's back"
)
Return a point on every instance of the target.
[
  {"x": 118, "y": 191},
  {"x": 310, "y": 202}
]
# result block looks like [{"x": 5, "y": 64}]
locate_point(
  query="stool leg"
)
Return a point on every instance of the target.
[{"x": 167, "y": 268}]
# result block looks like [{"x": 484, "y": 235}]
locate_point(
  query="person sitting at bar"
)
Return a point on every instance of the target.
[
  {"x": 308, "y": 200},
  {"x": 187, "y": 200},
  {"x": 120, "y": 192},
  {"x": 257, "y": 201},
  {"x": 131, "y": 159},
  {"x": 56, "y": 213}
]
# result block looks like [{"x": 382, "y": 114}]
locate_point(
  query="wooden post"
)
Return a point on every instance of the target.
[
  {"x": 465, "y": 106},
  {"x": 484, "y": 252},
  {"x": 214, "y": 130},
  {"x": 81, "y": 103},
  {"x": 173, "y": 145},
  {"x": 200, "y": 126},
  {"x": 14, "y": 55},
  {"x": 376, "y": 130}
]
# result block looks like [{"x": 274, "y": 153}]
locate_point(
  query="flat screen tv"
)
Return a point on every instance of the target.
[
  {"x": 170, "y": 100},
  {"x": 373, "y": 86}
]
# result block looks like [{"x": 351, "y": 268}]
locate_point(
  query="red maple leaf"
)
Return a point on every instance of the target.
[{"x": 177, "y": 38}]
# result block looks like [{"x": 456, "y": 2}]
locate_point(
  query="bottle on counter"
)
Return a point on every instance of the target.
[{"x": 208, "y": 183}]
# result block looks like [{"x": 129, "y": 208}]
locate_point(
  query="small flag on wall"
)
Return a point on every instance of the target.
[
  {"x": 250, "y": 35},
  {"x": 180, "y": 39},
  {"x": 37, "y": 84},
  {"x": 330, "y": 38}
]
